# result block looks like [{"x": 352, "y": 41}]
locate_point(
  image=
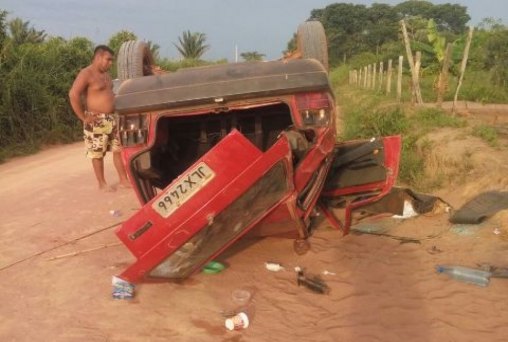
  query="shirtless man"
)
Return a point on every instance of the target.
[{"x": 100, "y": 126}]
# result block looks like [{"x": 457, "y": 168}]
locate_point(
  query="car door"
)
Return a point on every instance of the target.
[
  {"x": 362, "y": 172},
  {"x": 216, "y": 201}
]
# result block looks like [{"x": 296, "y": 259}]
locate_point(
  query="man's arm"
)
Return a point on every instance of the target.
[{"x": 79, "y": 88}]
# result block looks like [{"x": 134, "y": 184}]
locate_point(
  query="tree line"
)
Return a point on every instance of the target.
[{"x": 359, "y": 35}]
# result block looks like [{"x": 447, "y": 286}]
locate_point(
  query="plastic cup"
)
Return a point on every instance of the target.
[
  {"x": 241, "y": 296},
  {"x": 237, "y": 322}
]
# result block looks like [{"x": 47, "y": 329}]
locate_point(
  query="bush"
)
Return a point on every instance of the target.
[{"x": 36, "y": 78}]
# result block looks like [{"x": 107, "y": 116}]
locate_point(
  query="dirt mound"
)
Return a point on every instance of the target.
[{"x": 465, "y": 165}]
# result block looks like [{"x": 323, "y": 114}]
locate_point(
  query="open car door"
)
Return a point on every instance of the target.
[
  {"x": 362, "y": 173},
  {"x": 216, "y": 201}
]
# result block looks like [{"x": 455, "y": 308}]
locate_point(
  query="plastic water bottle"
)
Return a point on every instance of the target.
[{"x": 465, "y": 274}]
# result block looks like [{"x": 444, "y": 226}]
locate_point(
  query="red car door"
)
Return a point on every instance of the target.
[
  {"x": 362, "y": 172},
  {"x": 216, "y": 201}
]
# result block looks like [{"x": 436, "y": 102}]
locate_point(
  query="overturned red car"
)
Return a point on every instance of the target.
[{"x": 218, "y": 152}]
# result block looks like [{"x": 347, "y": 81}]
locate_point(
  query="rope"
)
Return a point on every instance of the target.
[{"x": 58, "y": 246}]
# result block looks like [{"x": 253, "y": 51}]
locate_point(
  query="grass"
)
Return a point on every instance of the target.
[
  {"x": 429, "y": 118},
  {"x": 370, "y": 112},
  {"x": 487, "y": 134},
  {"x": 371, "y": 115}
]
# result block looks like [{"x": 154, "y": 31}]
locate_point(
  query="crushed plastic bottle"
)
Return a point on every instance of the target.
[{"x": 466, "y": 274}]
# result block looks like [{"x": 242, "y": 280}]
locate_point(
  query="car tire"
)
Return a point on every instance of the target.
[
  {"x": 134, "y": 60},
  {"x": 311, "y": 41}
]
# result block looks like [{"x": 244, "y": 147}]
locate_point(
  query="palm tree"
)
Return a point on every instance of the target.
[
  {"x": 21, "y": 33},
  {"x": 252, "y": 56},
  {"x": 192, "y": 45},
  {"x": 154, "y": 49}
]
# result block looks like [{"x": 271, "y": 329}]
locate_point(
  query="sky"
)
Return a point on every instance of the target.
[{"x": 231, "y": 26}]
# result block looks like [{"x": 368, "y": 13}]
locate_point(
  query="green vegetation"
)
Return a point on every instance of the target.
[
  {"x": 359, "y": 35},
  {"x": 191, "y": 45},
  {"x": 354, "y": 29},
  {"x": 366, "y": 116},
  {"x": 36, "y": 73},
  {"x": 252, "y": 56},
  {"x": 486, "y": 133},
  {"x": 429, "y": 118}
]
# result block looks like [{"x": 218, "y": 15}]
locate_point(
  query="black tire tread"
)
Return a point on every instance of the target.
[
  {"x": 311, "y": 41},
  {"x": 133, "y": 58}
]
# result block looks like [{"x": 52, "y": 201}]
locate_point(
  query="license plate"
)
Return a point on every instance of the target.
[{"x": 183, "y": 190}]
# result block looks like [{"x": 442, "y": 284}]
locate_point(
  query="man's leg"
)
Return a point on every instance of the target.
[
  {"x": 120, "y": 169},
  {"x": 98, "y": 168}
]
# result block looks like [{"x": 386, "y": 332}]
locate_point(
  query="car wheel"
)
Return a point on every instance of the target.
[
  {"x": 134, "y": 60},
  {"x": 311, "y": 41}
]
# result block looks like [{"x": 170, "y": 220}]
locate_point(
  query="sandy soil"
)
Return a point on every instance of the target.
[{"x": 381, "y": 290}]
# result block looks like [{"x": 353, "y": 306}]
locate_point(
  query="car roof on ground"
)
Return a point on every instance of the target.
[{"x": 223, "y": 82}]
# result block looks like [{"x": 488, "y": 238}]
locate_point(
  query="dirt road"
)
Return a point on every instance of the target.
[{"x": 381, "y": 290}]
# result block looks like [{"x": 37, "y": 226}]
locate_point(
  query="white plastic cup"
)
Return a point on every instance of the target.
[{"x": 237, "y": 322}]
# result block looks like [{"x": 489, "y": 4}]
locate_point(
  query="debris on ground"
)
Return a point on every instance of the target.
[
  {"x": 122, "y": 289},
  {"x": 312, "y": 282},
  {"x": 481, "y": 207},
  {"x": 274, "y": 266},
  {"x": 213, "y": 267},
  {"x": 466, "y": 274}
]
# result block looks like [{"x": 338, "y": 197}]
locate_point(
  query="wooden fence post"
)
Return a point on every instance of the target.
[
  {"x": 380, "y": 75},
  {"x": 369, "y": 75},
  {"x": 365, "y": 76},
  {"x": 463, "y": 66},
  {"x": 418, "y": 64},
  {"x": 389, "y": 77},
  {"x": 399, "y": 79},
  {"x": 416, "y": 86},
  {"x": 374, "y": 70}
]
